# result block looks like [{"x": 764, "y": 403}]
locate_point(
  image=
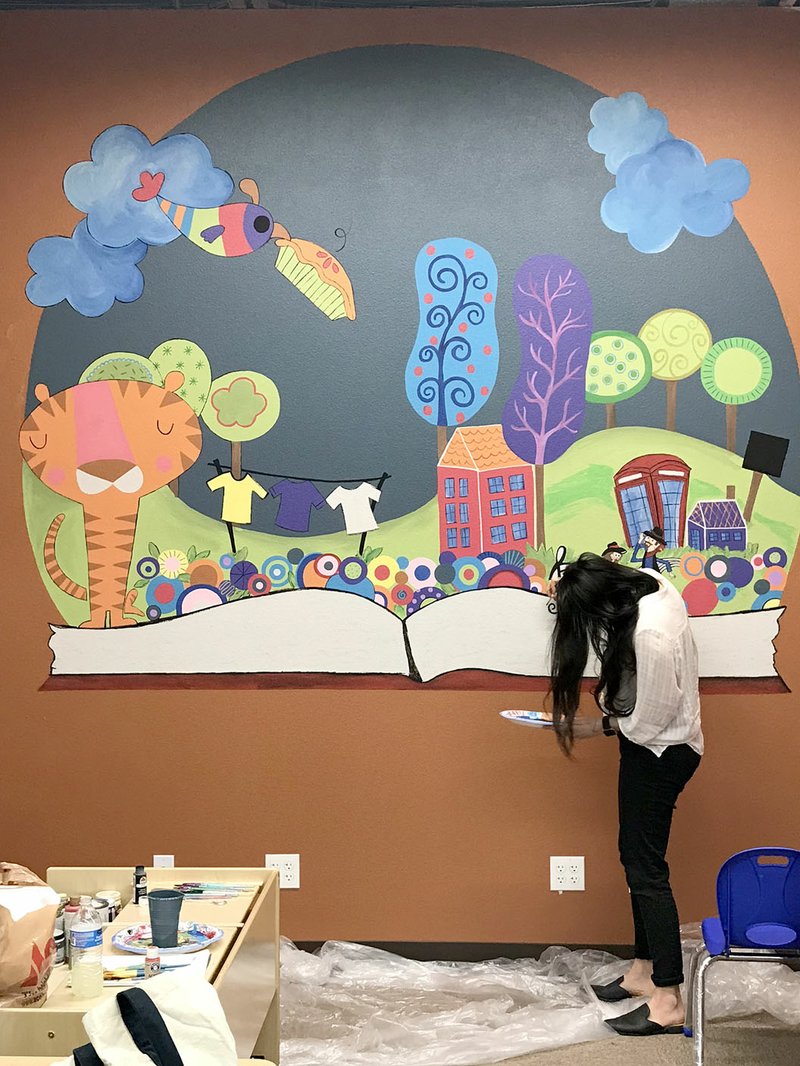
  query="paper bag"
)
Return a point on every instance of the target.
[{"x": 27, "y": 949}]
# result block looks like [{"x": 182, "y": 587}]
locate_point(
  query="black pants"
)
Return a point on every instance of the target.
[{"x": 649, "y": 786}]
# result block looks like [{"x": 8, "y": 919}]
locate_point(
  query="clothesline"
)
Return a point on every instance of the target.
[{"x": 297, "y": 477}]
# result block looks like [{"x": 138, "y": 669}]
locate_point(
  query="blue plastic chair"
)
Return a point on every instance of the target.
[{"x": 758, "y": 896}]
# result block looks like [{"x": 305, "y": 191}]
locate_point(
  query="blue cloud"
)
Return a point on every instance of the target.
[
  {"x": 663, "y": 184},
  {"x": 102, "y": 187},
  {"x": 89, "y": 276},
  {"x": 671, "y": 188},
  {"x": 623, "y": 126}
]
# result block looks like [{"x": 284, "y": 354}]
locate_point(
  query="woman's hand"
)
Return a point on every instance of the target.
[{"x": 583, "y": 728}]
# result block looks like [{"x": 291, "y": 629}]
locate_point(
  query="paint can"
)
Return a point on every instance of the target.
[{"x": 102, "y": 910}]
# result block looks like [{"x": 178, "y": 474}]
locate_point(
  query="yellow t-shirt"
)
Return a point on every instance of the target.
[{"x": 237, "y": 497}]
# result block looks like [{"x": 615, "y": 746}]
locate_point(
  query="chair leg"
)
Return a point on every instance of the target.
[
  {"x": 699, "y": 1008},
  {"x": 688, "y": 990}
]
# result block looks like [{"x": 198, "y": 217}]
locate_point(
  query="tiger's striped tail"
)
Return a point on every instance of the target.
[{"x": 51, "y": 563}]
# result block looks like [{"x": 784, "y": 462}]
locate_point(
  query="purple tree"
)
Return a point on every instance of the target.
[{"x": 545, "y": 408}]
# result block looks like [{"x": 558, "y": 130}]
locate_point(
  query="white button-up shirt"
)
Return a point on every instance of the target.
[{"x": 667, "y": 708}]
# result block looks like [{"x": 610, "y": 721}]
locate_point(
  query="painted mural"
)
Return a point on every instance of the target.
[{"x": 241, "y": 475}]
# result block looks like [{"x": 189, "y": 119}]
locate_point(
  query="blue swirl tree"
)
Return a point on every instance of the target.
[
  {"x": 545, "y": 408},
  {"x": 452, "y": 368}
]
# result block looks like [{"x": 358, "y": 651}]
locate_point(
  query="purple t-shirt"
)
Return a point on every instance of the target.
[{"x": 297, "y": 498}]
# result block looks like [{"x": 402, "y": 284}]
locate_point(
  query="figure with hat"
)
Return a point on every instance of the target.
[
  {"x": 651, "y": 542},
  {"x": 613, "y": 552}
]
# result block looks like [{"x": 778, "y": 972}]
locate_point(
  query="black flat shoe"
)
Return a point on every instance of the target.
[
  {"x": 613, "y": 993},
  {"x": 637, "y": 1023}
]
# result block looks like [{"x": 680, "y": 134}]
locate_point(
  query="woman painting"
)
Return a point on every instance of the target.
[{"x": 635, "y": 622}]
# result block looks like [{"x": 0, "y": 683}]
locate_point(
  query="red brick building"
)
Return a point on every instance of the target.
[{"x": 485, "y": 494}]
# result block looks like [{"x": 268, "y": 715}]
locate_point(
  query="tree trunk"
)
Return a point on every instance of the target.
[
  {"x": 672, "y": 404},
  {"x": 611, "y": 416},
  {"x": 755, "y": 481},
  {"x": 236, "y": 459},
  {"x": 538, "y": 503},
  {"x": 441, "y": 440},
  {"x": 730, "y": 426}
]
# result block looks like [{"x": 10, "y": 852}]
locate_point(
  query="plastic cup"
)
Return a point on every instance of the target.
[{"x": 165, "y": 912}]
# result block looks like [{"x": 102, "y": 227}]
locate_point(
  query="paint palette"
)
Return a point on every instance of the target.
[
  {"x": 192, "y": 936},
  {"x": 539, "y": 719}
]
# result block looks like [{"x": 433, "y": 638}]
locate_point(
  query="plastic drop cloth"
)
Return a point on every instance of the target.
[
  {"x": 366, "y": 1007},
  {"x": 737, "y": 989}
]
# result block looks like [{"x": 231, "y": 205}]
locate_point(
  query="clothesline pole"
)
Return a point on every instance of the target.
[{"x": 363, "y": 542}]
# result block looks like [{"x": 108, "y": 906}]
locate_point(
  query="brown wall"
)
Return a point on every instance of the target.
[{"x": 416, "y": 817}]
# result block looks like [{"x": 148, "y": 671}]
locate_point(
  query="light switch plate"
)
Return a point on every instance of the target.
[{"x": 163, "y": 862}]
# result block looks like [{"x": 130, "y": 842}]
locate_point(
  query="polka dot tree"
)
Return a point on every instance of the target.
[
  {"x": 453, "y": 365},
  {"x": 618, "y": 367}
]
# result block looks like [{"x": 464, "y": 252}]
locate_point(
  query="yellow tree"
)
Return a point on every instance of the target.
[{"x": 678, "y": 341}]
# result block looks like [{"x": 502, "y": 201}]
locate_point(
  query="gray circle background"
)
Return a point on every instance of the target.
[{"x": 399, "y": 146}]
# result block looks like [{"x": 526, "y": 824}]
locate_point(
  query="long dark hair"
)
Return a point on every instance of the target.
[{"x": 597, "y": 606}]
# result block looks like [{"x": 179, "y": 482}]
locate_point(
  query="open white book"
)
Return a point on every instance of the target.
[{"x": 322, "y": 631}]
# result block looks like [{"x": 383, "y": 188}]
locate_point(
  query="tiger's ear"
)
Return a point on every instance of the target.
[
  {"x": 42, "y": 393},
  {"x": 173, "y": 381}
]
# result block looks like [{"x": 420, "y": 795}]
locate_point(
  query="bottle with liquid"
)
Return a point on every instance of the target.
[{"x": 86, "y": 952}]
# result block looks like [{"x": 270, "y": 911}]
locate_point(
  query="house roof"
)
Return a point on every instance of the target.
[
  {"x": 717, "y": 514},
  {"x": 479, "y": 448}
]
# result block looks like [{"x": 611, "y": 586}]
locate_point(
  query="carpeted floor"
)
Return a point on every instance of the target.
[{"x": 750, "y": 1042}]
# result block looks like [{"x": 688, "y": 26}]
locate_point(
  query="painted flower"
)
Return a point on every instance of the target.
[
  {"x": 383, "y": 570},
  {"x": 173, "y": 562}
]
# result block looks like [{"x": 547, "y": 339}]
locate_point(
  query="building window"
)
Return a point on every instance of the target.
[
  {"x": 516, "y": 482},
  {"x": 498, "y": 508},
  {"x": 498, "y": 534},
  {"x": 465, "y": 537},
  {"x": 671, "y": 491},
  {"x": 519, "y": 505},
  {"x": 713, "y": 536},
  {"x": 452, "y": 538},
  {"x": 450, "y": 512},
  {"x": 496, "y": 484},
  {"x": 463, "y": 512},
  {"x": 519, "y": 530},
  {"x": 636, "y": 508},
  {"x": 463, "y": 486},
  {"x": 449, "y": 487},
  {"x": 737, "y": 535}
]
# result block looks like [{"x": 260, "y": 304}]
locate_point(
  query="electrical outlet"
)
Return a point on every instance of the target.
[
  {"x": 567, "y": 873},
  {"x": 288, "y": 866},
  {"x": 164, "y": 862}
]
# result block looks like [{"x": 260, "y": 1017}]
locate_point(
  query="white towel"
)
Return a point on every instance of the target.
[{"x": 192, "y": 1013}]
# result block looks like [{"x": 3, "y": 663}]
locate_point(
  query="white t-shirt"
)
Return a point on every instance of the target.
[
  {"x": 667, "y": 708},
  {"x": 358, "y": 516}
]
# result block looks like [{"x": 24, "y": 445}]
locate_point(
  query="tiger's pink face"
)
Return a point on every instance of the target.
[{"x": 106, "y": 444}]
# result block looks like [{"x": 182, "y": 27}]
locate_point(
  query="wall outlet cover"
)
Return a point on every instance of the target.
[
  {"x": 288, "y": 866},
  {"x": 163, "y": 862},
  {"x": 567, "y": 873}
]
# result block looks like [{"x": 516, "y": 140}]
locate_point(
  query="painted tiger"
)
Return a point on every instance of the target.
[{"x": 106, "y": 444}]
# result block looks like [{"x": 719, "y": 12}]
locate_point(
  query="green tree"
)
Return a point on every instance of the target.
[
  {"x": 191, "y": 361},
  {"x": 735, "y": 371},
  {"x": 242, "y": 405},
  {"x": 619, "y": 366},
  {"x": 678, "y": 341}
]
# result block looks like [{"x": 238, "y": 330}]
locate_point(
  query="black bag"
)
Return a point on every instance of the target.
[{"x": 143, "y": 1021}]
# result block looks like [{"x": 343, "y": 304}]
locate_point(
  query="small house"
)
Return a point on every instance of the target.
[
  {"x": 717, "y": 524},
  {"x": 485, "y": 494}
]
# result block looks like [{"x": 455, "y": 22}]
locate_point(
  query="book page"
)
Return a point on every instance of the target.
[
  {"x": 304, "y": 630},
  {"x": 501, "y": 629}
]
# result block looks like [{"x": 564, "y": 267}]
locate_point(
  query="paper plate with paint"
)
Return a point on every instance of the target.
[
  {"x": 539, "y": 719},
  {"x": 192, "y": 936}
]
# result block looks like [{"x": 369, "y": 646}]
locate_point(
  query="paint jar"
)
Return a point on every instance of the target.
[
  {"x": 114, "y": 900},
  {"x": 61, "y": 947},
  {"x": 139, "y": 884},
  {"x": 101, "y": 908}
]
